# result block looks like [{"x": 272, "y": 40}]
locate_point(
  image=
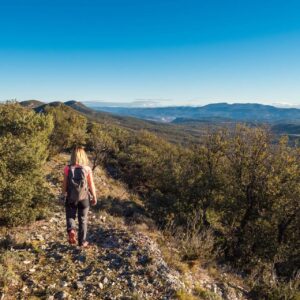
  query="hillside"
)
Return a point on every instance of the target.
[
  {"x": 171, "y": 132},
  {"x": 213, "y": 223},
  {"x": 129, "y": 257},
  {"x": 32, "y": 103},
  {"x": 287, "y": 128}
]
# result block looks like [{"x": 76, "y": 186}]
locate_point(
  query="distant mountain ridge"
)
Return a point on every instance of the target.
[
  {"x": 32, "y": 103},
  {"x": 249, "y": 112},
  {"x": 237, "y": 112},
  {"x": 185, "y": 123},
  {"x": 74, "y": 105}
]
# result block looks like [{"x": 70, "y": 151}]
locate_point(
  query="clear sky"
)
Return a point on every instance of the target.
[{"x": 174, "y": 51}]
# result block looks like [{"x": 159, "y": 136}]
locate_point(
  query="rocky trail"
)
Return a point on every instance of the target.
[
  {"x": 123, "y": 262},
  {"x": 117, "y": 265}
]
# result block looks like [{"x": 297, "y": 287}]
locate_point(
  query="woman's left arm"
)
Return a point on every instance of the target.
[{"x": 92, "y": 188}]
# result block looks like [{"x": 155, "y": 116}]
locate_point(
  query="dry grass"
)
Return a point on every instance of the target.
[
  {"x": 182, "y": 295},
  {"x": 9, "y": 271},
  {"x": 197, "y": 294},
  {"x": 205, "y": 294},
  {"x": 109, "y": 187},
  {"x": 172, "y": 256},
  {"x": 192, "y": 244}
]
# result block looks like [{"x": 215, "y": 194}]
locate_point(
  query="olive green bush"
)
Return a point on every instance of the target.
[
  {"x": 23, "y": 151},
  {"x": 101, "y": 144},
  {"x": 69, "y": 128},
  {"x": 239, "y": 185}
]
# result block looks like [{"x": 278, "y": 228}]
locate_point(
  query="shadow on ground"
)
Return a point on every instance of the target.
[{"x": 132, "y": 212}]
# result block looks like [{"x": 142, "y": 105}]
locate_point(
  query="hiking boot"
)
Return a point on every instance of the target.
[{"x": 72, "y": 236}]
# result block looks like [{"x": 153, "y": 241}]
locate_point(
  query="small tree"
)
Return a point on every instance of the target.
[
  {"x": 23, "y": 151},
  {"x": 69, "y": 128},
  {"x": 101, "y": 144},
  {"x": 205, "y": 173}
]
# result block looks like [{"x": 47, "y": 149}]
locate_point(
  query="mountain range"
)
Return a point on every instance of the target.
[
  {"x": 249, "y": 112},
  {"x": 184, "y": 124}
]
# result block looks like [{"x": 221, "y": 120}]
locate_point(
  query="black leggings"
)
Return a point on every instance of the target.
[{"x": 82, "y": 208}]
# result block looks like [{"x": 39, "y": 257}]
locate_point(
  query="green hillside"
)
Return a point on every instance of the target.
[
  {"x": 31, "y": 103},
  {"x": 177, "y": 134}
]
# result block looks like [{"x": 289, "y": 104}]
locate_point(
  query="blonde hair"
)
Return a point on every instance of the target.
[{"x": 79, "y": 157}]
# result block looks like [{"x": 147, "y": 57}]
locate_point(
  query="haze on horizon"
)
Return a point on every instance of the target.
[{"x": 174, "y": 52}]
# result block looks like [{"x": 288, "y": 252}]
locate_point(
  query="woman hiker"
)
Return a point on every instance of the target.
[{"x": 79, "y": 191}]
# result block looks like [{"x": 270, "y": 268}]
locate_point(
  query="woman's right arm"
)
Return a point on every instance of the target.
[
  {"x": 65, "y": 182},
  {"x": 64, "y": 187}
]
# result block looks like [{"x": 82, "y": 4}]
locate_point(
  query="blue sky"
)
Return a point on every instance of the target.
[{"x": 175, "y": 52}]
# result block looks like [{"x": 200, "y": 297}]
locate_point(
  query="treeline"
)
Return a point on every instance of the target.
[{"x": 238, "y": 185}]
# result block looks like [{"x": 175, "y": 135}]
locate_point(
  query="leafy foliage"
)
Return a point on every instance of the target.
[
  {"x": 23, "y": 151},
  {"x": 239, "y": 185},
  {"x": 69, "y": 128},
  {"x": 100, "y": 143}
]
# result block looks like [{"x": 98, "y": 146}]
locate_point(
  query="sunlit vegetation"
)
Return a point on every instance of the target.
[
  {"x": 23, "y": 150},
  {"x": 237, "y": 189}
]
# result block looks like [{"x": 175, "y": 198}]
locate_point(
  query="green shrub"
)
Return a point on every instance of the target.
[
  {"x": 238, "y": 184},
  {"x": 23, "y": 151},
  {"x": 69, "y": 128},
  {"x": 276, "y": 291},
  {"x": 101, "y": 144}
]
